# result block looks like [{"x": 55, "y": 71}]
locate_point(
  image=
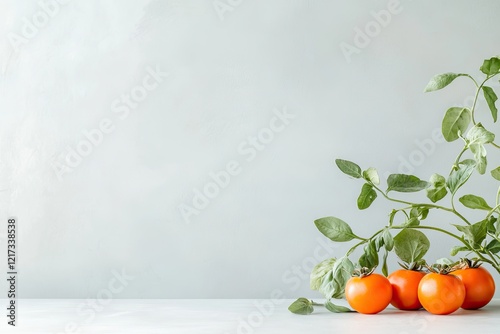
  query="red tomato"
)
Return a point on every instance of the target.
[
  {"x": 479, "y": 287},
  {"x": 368, "y": 294},
  {"x": 405, "y": 289},
  {"x": 441, "y": 294}
]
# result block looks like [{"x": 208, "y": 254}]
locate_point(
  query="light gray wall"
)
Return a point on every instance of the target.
[{"x": 231, "y": 70}]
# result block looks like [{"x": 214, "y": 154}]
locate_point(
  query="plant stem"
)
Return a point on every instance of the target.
[
  {"x": 492, "y": 257},
  {"x": 473, "y": 109},
  {"x": 474, "y": 80},
  {"x": 354, "y": 247},
  {"x": 492, "y": 211},
  {"x": 475, "y": 101},
  {"x": 427, "y": 205},
  {"x": 457, "y": 160},
  {"x": 363, "y": 241}
]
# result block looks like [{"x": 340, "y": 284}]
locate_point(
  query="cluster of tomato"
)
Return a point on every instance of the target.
[{"x": 468, "y": 287}]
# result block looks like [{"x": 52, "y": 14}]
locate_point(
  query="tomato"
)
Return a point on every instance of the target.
[
  {"x": 441, "y": 294},
  {"x": 368, "y": 294},
  {"x": 405, "y": 289},
  {"x": 479, "y": 287}
]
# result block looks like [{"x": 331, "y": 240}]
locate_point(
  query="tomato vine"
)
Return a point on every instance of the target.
[{"x": 480, "y": 239}]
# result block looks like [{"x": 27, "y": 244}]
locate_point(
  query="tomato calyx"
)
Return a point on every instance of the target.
[
  {"x": 466, "y": 263},
  {"x": 442, "y": 269},
  {"x": 414, "y": 266},
  {"x": 363, "y": 272}
]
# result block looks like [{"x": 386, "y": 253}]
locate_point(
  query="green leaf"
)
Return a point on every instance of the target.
[
  {"x": 301, "y": 306},
  {"x": 414, "y": 212},
  {"x": 405, "y": 183},
  {"x": 496, "y": 173},
  {"x": 411, "y": 245},
  {"x": 493, "y": 246},
  {"x": 369, "y": 258},
  {"x": 391, "y": 216},
  {"x": 423, "y": 212},
  {"x": 336, "y": 308},
  {"x": 333, "y": 285},
  {"x": 491, "y": 66},
  {"x": 349, "y": 168},
  {"x": 475, "y": 233},
  {"x": 413, "y": 221},
  {"x": 478, "y": 150},
  {"x": 419, "y": 212},
  {"x": 454, "y": 251},
  {"x": 367, "y": 196},
  {"x": 459, "y": 176},
  {"x": 491, "y": 226},
  {"x": 479, "y": 135},
  {"x": 371, "y": 175},
  {"x": 441, "y": 80},
  {"x": 455, "y": 122},
  {"x": 388, "y": 240},
  {"x": 491, "y": 98},
  {"x": 385, "y": 270},
  {"x": 437, "y": 189},
  {"x": 334, "y": 229},
  {"x": 480, "y": 156},
  {"x": 319, "y": 271},
  {"x": 474, "y": 202},
  {"x": 481, "y": 163}
]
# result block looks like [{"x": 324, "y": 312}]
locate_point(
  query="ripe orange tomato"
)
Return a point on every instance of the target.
[
  {"x": 405, "y": 289},
  {"x": 368, "y": 294},
  {"x": 441, "y": 294},
  {"x": 479, "y": 287}
]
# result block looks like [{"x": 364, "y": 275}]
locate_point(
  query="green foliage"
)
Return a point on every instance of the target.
[
  {"x": 459, "y": 176},
  {"x": 409, "y": 243},
  {"x": 437, "y": 188},
  {"x": 349, "y": 168},
  {"x": 455, "y": 123},
  {"x": 333, "y": 283},
  {"x": 496, "y": 173},
  {"x": 335, "y": 229},
  {"x": 301, "y": 306},
  {"x": 405, "y": 183},
  {"x": 366, "y": 197},
  {"x": 491, "y": 98},
  {"x": 491, "y": 66},
  {"x": 441, "y": 80},
  {"x": 336, "y": 308},
  {"x": 319, "y": 272},
  {"x": 474, "y": 202}
]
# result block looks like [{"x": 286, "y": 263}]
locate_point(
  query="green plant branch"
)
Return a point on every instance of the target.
[
  {"x": 363, "y": 241},
  {"x": 474, "y": 80},
  {"x": 492, "y": 258},
  {"x": 492, "y": 211},
  {"x": 356, "y": 246},
  {"x": 426, "y": 205},
  {"x": 473, "y": 109},
  {"x": 457, "y": 160}
]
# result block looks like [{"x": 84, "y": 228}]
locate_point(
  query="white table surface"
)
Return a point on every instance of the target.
[{"x": 234, "y": 317}]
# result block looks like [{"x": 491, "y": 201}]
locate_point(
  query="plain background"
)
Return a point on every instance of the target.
[{"x": 118, "y": 209}]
